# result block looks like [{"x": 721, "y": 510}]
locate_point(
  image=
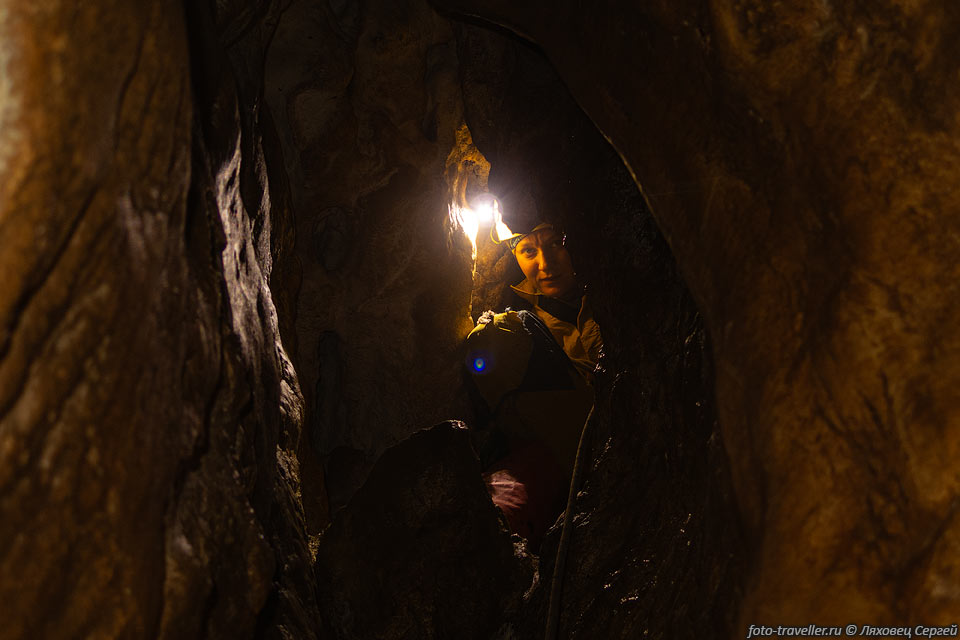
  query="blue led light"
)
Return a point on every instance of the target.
[{"x": 479, "y": 364}]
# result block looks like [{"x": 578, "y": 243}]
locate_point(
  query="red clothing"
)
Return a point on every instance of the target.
[{"x": 529, "y": 488}]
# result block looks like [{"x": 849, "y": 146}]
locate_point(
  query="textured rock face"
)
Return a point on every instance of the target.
[
  {"x": 656, "y": 548},
  {"x": 367, "y": 102},
  {"x": 95, "y": 294},
  {"x": 797, "y": 157},
  {"x": 420, "y": 551},
  {"x": 148, "y": 413}
]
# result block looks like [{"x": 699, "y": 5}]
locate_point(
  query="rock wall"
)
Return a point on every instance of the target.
[
  {"x": 148, "y": 412},
  {"x": 656, "y": 548},
  {"x": 442, "y": 564},
  {"x": 367, "y": 102},
  {"x": 798, "y": 159}
]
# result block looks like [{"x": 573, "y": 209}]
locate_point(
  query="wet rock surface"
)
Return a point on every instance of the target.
[
  {"x": 420, "y": 551},
  {"x": 656, "y": 549},
  {"x": 148, "y": 412},
  {"x": 801, "y": 176},
  {"x": 204, "y": 206}
]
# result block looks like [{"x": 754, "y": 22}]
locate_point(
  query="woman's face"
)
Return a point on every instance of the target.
[{"x": 546, "y": 262}]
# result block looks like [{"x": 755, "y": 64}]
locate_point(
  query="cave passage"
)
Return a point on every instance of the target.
[
  {"x": 655, "y": 506},
  {"x": 234, "y": 293},
  {"x": 239, "y": 272}
]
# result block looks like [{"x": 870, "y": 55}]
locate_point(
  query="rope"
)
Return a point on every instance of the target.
[{"x": 556, "y": 582}]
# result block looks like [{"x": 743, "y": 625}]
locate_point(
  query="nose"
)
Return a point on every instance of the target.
[{"x": 546, "y": 261}]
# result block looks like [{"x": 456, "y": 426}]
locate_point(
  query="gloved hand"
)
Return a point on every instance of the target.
[{"x": 508, "y": 320}]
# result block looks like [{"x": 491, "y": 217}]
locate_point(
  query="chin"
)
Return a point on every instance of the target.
[
  {"x": 554, "y": 292},
  {"x": 549, "y": 291}
]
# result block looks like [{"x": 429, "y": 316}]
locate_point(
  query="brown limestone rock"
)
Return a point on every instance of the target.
[
  {"x": 147, "y": 409},
  {"x": 103, "y": 368},
  {"x": 366, "y": 100},
  {"x": 245, "y": 560},
  {"x": 421, "y": 551},
  {"x": 799, "y": 158}
]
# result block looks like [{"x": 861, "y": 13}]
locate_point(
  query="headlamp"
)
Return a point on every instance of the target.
[{"x": 514, "y": 239}]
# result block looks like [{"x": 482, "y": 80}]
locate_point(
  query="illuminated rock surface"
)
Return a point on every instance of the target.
[
  {"x": 205, "y": 207},
  {"x": 149, "y": 414},
  {"x": 799, "y": 158}
]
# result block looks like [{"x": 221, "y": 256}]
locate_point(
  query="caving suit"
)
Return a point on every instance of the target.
[{"x": 533, "y": 370}]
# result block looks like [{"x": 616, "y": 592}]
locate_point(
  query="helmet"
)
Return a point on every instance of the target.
[{"x": 518, "y": 218}]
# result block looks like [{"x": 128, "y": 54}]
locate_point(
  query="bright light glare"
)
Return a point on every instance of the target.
[
  {"x": 484, "y": 208},
  {"x": 503, "y": 231},
  {"x": 484, "y": 211},
  {"x": 468, "y": 221}
]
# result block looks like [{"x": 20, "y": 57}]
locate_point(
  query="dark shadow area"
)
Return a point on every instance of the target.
[
  {"x": 233, "y": 301},
  {"x": 656, "y": 549},
  {"x": 379, "y": 315}
]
